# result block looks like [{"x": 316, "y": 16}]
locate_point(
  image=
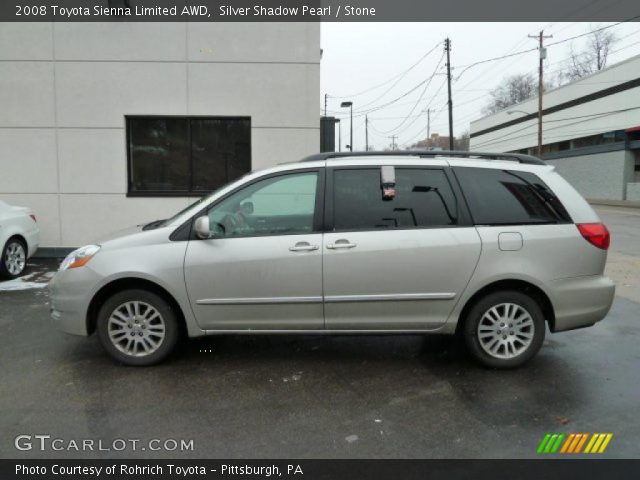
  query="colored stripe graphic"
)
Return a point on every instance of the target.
[
  {"x": 605, "y": 443},
  {"x": 598, "y": 443},
  {"x": 565, "y": 447},
  {"x": 582, "y": 441},
  {"x": 543, "y": 443},
  {"x": 573, "y": 443},
  {"x": 555, "y": 447}
]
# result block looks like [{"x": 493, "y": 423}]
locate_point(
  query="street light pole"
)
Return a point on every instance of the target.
[{"x": 350, "y": 105}]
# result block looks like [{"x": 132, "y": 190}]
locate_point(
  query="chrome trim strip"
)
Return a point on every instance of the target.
[
  {"x": 430, "y": 328},
  {"x": 257, "y": 301},
  {"x": 329, "y": 299},
  {"x": 389, "y": 298}
]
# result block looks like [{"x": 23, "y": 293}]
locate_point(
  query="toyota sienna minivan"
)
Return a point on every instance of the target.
[{"x": 492, "y": 247}]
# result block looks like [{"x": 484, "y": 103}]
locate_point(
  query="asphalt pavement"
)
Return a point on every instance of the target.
[{"x": 318, "y": 397}]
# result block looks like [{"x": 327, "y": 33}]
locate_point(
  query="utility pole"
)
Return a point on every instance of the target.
[
  {"x": 366, "y": 133},
  {"x": 325, "y": 104},
  {"x": 393, "y": 141},
  {"x": 428, "y": 126},
  {"x": 447, "y": 47},
  {"x": 543, "y": 54}
]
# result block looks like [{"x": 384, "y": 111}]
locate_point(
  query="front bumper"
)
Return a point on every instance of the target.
[
  {"x": 581, "y": 301},
  {"x": 71, "y": 292}
]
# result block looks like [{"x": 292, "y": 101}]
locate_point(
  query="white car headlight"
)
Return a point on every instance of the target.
[{"x": 79, "y": 257}]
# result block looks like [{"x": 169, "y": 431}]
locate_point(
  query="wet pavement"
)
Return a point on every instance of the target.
[{"x": 315, "y": 397}]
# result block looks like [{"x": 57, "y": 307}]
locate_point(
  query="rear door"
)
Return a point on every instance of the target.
[{"x": 399, "y": 263}]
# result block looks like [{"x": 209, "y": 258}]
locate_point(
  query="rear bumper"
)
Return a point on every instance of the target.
[
  {"x": 581, "y": 301},
  {"x": 33, "y": 242}
]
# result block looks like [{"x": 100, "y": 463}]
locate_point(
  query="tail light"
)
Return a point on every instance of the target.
[
  {"x": 596, "y": 234},
  {"x": 33, "y": 217}
]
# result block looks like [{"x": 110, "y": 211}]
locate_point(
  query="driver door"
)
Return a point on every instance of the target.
[{"x": 262, "y": 270}]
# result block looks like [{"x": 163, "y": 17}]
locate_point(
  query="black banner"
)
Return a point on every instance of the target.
[
  {"x": 322, "y": 469},
  {"x": 316, "y": 10}
]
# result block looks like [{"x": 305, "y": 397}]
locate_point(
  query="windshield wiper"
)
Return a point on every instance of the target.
[{"x": 152, "y": 225}]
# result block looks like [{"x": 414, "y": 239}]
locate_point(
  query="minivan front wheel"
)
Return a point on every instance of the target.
[
  {"x": 504, "y": 329},
  {"x": 137, "y": 327}
]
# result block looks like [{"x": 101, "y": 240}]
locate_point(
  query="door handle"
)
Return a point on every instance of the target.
[
  {"x": 342, "y": 243},
  {"x": 303, "y": 247}
]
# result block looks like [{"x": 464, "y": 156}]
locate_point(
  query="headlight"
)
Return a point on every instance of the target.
[{"x": 79, "y": 257}]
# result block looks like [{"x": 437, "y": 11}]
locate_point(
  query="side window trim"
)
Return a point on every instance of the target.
[
  {"x": 318, "y": 209},
  {"x": 463, "y": 220}
]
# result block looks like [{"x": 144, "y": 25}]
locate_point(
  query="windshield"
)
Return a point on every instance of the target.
[{"x": 163, "y": 223}]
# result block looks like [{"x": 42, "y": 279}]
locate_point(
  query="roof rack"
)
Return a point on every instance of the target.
[{"x": 512, "y": 157}]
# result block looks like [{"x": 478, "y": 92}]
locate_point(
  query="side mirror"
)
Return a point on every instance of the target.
[{"x": 201, "y": 227}]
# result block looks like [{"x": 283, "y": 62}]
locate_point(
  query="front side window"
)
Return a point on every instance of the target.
[
  {"x": 282, "y": 205},
  {"x": 423, "y": 199},
  {"x": 188, "y": 156},
  {"x": 505, "y": 197}
]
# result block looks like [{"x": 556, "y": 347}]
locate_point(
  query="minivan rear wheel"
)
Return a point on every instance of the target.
[
  {"x": 137, "y": 327},
  {"x": 504, "y": 329}
]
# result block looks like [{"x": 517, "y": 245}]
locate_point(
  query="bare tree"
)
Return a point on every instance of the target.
[
  {"x": 513, "y": 89},
  {"x": 461, "y": 143},
  {"x": 593, "y": 57},
  {"x": 439, "y": 142}
]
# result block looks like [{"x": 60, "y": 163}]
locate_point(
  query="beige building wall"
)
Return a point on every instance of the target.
[{"x": 65, "y": 89}]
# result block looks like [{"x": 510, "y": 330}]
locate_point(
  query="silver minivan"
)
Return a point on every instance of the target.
[{"x": 492, "y": 247}]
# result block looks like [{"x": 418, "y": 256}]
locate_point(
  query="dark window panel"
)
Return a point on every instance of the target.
[
  {"x": 423, "y": 199},
  {"x": 175, "y": 155},
  {"x": 503, "y": 197},
  {"x": 159, "y": 154},
  {"x": 221, "y": 151}
]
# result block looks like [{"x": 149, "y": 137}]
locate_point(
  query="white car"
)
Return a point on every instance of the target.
[{"x": 19, "y": 238}]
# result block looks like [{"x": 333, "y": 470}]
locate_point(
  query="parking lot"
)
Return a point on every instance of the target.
[{"x": 324, "y": 397}]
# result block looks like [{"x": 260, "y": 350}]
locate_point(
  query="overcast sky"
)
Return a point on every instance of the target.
[{"x": 359, "y": 56}]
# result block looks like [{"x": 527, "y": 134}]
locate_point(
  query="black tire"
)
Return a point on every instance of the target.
[
  {"x": 4, "y": 270},
  {"x": 105, "y": 326},
  {"x": 501, "y": 333}
]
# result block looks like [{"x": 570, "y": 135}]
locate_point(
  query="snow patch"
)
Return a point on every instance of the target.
[{"x": 20, "y": 284}]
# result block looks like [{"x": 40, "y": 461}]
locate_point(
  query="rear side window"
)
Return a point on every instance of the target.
[
  {"x": 506, "y": 197},
  {"x": 423, "y": 199}
]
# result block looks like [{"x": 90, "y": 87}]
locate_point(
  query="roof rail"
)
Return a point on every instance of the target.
[{"x": 512, "y": 157}]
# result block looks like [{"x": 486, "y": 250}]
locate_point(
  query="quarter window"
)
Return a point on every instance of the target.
[
  {"x": 282, "y": 205},
  {"x": 423, "y": 199},
  {"x": 504, "y": 197},
  {"x": 186, "y": 156}
]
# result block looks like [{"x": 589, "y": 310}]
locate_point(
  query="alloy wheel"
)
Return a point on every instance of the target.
[
  {"x": 505, "y": 330},
  {"x": 15, "y": 258},
  {"x": 136, "y": 328}
]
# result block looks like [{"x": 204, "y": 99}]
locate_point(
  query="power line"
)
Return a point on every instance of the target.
[
  {"x": 424, "y": 90},
  {"x": 361, "y": 113},
  {"x": 426, "y": 109},
  {"x": 581, "y": 118},
  {"x": 422, "y": 130},
  {"x": 467, "y": 67},
  {"x": 398, "y": 76}
]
